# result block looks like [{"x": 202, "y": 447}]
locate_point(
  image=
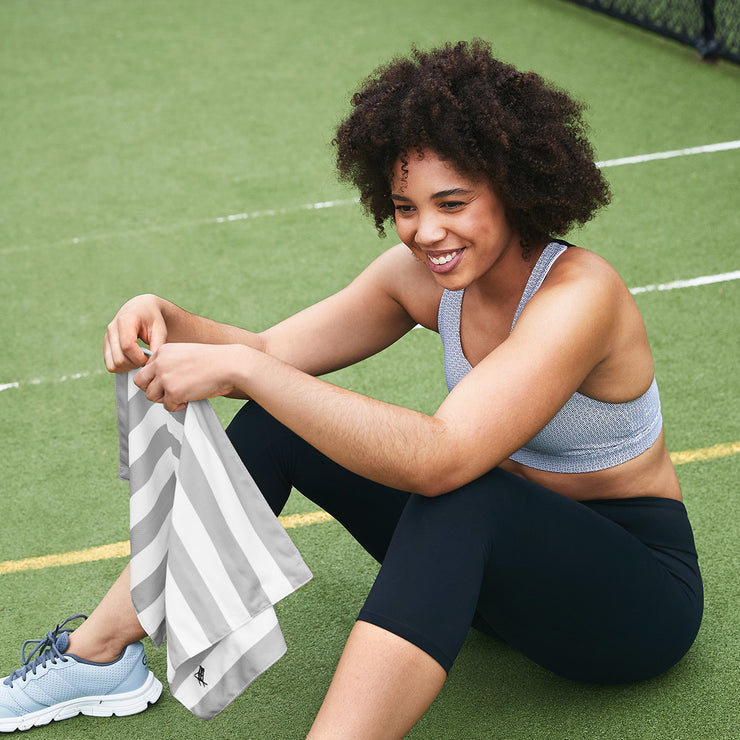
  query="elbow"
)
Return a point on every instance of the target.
[
  {"x": 438, "y": 467},
  {"x": 437, "y": 477},
  {"x": 431, "y": 482}
]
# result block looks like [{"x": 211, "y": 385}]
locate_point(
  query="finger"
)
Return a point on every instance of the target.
[
  {"x": 111, "y": 352},
  {"x": 155, "y": 393},
  {"x": 173, "y": 406},
  {"x": 118, "y": 358},
  {"x": 133, "y": 353},
  {"x": 108, "y": 355},
  {"x": 158, "y": 335},
  {"x": 143, "y": 379}
]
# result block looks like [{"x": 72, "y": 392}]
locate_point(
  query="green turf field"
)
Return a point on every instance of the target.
[{"x": 132, "y": 131}]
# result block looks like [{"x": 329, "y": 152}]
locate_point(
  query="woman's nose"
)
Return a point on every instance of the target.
[{"x": 429, "y": 230}]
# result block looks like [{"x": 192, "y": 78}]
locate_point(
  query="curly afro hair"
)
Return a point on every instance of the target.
[{"x": 527, "y": 138}]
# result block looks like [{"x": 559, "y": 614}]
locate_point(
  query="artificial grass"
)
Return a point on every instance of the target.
[
  {"x": 492, "y": 692},
  {"x": 130, "y": 129}
]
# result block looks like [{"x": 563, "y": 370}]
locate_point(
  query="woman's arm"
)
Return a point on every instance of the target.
[
  {"x": 367, "y": 316},
  {"x": 565, "y": 332},
  {"x": 157, "y": 321},
  {"x": 358, "y": 321}
]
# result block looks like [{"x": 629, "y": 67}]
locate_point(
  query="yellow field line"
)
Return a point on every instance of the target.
[
  {"x": 104, "y": 552},
  {"x": 302, "y": 520},
  {"x": 705, "y": 453},
  {"x": 122, "y": 549}
]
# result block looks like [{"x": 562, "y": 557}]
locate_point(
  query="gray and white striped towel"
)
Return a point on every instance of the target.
[{"x": 209, "y": 559}]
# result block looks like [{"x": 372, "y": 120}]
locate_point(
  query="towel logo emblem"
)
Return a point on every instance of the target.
[{"x": 201, "y": 676}]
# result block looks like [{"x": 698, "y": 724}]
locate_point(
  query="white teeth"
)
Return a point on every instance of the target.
[{"x": 442, "y": 260}]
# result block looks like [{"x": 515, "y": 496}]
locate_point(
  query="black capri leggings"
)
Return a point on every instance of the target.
[{"x": 602, "y": 591}]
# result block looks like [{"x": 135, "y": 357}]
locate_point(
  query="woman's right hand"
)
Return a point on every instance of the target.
[{"x": 140, "y": 318}]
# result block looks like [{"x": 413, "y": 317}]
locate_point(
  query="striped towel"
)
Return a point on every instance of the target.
[{"x": 209, "y": 559}]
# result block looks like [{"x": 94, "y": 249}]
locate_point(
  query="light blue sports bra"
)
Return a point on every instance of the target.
[{"x": 586, "y": 434}]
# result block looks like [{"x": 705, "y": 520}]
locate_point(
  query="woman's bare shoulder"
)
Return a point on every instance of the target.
[
  {"x": 410, "y": 283},
  {"x": 581, "y": 272},
  {"x": 577, "y": 263}
]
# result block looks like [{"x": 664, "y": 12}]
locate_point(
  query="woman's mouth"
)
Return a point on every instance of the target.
[{"x": 444, "y": 261}]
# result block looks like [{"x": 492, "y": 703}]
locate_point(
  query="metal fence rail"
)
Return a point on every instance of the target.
[{"x": 712, "y": 27}]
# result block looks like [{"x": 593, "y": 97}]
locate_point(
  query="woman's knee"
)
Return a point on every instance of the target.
[
  {"x": 253, "y": 430},
  {"x": 473, "y": 508},
  {"x": 252, "y": 423},
  {"x": 264, "y": 446}
]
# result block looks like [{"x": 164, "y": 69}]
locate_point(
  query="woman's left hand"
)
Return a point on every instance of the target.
[{"x": 178, "y": 373}]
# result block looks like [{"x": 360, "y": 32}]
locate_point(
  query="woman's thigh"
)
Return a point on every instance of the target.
[
  {"x": 279, "y": 460},
  {"x": 572, "y": 589},
  {"x": 590, "y": 600},
  {"x": 567, "y": 586}
]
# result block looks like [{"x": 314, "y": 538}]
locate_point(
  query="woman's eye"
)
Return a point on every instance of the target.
[
  {"x": 451, "y": 205},
  {"x": 400, "y": 208}
]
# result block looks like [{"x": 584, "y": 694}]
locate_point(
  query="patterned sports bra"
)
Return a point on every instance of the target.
[{"x": 585, "y": 434}]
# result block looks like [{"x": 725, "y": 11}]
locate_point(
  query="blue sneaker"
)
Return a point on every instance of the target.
[{"x": 53, "y": 685}]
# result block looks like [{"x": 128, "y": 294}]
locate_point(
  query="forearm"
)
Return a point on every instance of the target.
[
  {"x": 389, "y": 444},
  {"x": 340, "y": 330},
  {"x": 183, "y": 326}
]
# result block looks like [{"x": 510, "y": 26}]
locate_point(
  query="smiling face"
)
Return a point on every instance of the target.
[{"x": 453, "y": 223}]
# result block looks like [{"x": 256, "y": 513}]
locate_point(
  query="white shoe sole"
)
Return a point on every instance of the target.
[{"x": 132, "y": 702}]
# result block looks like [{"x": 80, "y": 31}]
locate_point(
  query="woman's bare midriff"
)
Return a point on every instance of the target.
[{"x": 649, "y": 474}]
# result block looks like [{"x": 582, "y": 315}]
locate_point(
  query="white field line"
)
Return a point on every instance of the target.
[
  {"x": 282, "y": 211},
  {"x": 637, "y": 159},
  {"x": 703, "y": 280},
  {"x": 39, "y": 381},
  {"x": 640, "y": 158},
  {"x": 675, "y": 285},
  {"x": 690, "y": 283},
  {"x": 184, "y": 225}
]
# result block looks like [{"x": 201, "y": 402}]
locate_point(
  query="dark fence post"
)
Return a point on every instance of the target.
[{"x": 707, "y": 45}]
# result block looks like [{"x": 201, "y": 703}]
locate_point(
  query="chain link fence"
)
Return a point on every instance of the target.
[{"x": 712, "y": 27}]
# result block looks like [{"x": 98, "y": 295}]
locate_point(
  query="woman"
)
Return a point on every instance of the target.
[{"x": 538, "y": 504}]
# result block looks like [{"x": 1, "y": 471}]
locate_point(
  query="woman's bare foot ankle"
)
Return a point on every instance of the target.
[
  {"x": 96, "y": 651},
  {"x": 111, "y": 627}
]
